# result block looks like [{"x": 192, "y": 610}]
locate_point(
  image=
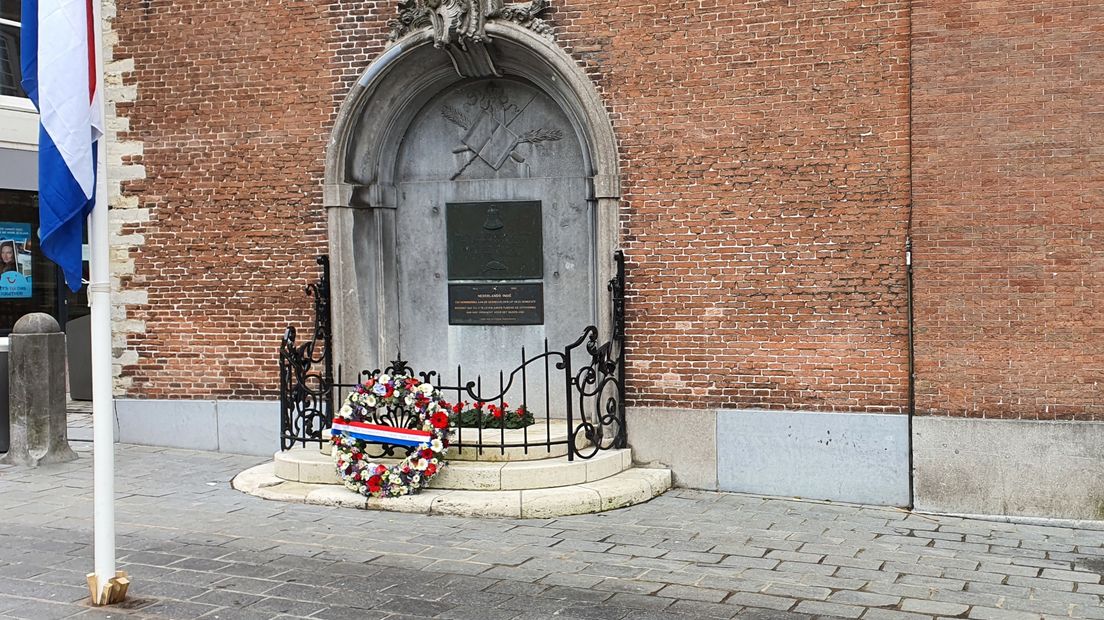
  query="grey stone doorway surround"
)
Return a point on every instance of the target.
[{"x": 362, "y": 171}]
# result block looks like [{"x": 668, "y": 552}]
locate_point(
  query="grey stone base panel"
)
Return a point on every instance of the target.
[
  {"x": 1009, "y": 467},
  {"x": 241, "y": 427},
  {"x": 849, "y": 457}
]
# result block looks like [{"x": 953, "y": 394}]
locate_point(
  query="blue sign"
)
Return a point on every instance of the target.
[{"x": 15, "y": 260}]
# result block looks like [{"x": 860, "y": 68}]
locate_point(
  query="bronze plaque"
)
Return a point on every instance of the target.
[
  {"x": 494, "y": 240},
  {"x": 496, "y": 304}
]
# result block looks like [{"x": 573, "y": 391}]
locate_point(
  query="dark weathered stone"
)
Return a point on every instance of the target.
[{"x": 36, "y": 382}]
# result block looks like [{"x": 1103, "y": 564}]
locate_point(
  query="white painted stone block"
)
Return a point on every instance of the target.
[
  {"x": 603, "y": 465},
  {"x": 479, "y": 503},
  {"x": 547, "y": 473},
  {"x": 559, "y": 501}
]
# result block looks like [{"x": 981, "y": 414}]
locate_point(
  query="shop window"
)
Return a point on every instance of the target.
[
  {"x": 28, "y": 280},
  {"x": 10, "y": 72}
]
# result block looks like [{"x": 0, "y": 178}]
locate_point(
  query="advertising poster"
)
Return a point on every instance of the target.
[{"x": 15, "y": 260}]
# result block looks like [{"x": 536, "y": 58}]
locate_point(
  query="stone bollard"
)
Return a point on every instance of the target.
[{"x": 36, "y": 388}]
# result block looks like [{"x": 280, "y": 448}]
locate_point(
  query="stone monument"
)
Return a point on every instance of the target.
[{"x": 39, "y": 435}]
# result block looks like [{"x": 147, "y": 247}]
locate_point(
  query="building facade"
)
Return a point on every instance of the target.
[{"x": 768, "y": 169}]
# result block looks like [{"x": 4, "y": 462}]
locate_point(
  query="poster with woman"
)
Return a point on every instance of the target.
[{"x": 15, "y": 260}]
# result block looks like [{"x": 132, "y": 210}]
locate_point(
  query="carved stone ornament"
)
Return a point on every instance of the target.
[
  {"x": 461, "y": 22},
  {"x": 487, "y": 134}
]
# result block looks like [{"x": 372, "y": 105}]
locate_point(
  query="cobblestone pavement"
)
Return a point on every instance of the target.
[{"x": 196, "y": 548}]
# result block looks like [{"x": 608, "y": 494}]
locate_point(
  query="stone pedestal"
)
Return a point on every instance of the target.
[{"x": 36, "y": 376}]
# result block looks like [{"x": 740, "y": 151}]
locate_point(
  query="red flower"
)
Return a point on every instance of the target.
[
  {"x": 374, "y": 484},
  {"x": 505, "y": 405},
  {"x": 411, "y": 383},
  {"x": 458, "y": 407},
  {"x": 495, "y": 411},
  {"x": 479, "y": 405},
  {"x": 430, "y": 470},
  {"x": 420, "y": 402},
  {"x": 380, "y": 469},
  {"x": 390, "y": 391},
  {"x": 439, "y": 420},
  {"x": 427, "y": 454},
  {"x": 369, "y": 383}
]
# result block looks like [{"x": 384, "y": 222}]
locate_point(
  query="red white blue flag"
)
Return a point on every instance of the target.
[
  {"x": 61, "y": 68},
  {"x": 381, "y": 434}
]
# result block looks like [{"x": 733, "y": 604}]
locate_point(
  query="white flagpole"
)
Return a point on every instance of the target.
[{"x": 107, "y": 586}]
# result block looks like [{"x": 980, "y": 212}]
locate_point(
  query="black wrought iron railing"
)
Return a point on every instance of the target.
[{"x": 584, "y": 382}]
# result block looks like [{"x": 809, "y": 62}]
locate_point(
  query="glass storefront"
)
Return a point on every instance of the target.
[{"x": 29, "y": 282}]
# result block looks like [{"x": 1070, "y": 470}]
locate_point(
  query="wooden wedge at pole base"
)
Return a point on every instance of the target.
[{"x": 111, "y": 592}]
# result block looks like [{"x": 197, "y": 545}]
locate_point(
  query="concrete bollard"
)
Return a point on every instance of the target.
[{"x": 36, "y": 387}]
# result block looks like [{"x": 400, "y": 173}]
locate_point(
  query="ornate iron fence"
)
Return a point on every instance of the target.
[{"x": 589, "y": 373}]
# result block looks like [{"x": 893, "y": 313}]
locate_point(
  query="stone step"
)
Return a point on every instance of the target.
[
  {"x": 631, "y": 486},
  {"x": 310, "y": 466}
]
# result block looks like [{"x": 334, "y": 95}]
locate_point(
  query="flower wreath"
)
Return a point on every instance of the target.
[{"x": 353, "y": 430}]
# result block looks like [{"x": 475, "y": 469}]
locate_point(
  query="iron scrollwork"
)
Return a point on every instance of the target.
[
  {"x": 595, "y": 390},
  {"x": 599, "y": 386},
  {"x": 306, "y": 372}
]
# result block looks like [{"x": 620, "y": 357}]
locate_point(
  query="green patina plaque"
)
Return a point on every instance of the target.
[{"x": 494, "y": 240}]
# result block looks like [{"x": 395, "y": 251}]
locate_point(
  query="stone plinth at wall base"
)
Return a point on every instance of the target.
[
  {"x": 532, "y": 489},
  {"x": 1029, "y": 468},
  {"x": 849, "y": 457},
  {"x": 238, "y": 426}
]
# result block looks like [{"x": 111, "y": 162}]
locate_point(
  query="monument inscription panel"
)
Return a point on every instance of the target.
[
  {"x": 494, "y": 240},
  {"x": 496, "y": 304}
]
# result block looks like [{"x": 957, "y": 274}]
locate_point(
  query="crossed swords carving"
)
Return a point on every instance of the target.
[{"x": 490, "y": 138}]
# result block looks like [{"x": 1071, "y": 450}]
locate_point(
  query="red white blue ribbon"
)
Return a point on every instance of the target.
[{"x": 382, "y": 434}]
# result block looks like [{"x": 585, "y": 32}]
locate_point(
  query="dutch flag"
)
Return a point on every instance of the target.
[{"x": 61, "y": 68}]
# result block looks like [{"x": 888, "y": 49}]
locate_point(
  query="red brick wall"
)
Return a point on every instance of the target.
[
  {"x": 1008, "y": 175},
  {"x": 234, "y": 106},
  {"x": 764, "y": 157},
  {"x": 765, "y": 185}
]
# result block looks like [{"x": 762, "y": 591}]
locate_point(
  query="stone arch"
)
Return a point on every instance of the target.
[{"x": 361, "y": 167}]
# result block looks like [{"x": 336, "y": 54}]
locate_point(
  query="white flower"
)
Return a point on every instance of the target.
[
  {"x": 384, "y": 378},
  {"x": 422, "y": 464},
  {"x": 409, "y": 400},
  {"x": 371, "y": 401},
  {"x": 345, "y": 411},
  {"x": 436, "y": 445},
  {"x": 426, "y": 389}
]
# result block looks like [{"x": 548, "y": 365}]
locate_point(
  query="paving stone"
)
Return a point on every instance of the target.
[
  {"x": 805, "y": 568},
  {"x": 42, "y": 610},
  {"x": 640, "y": 601},
  {"x": 750, "y": 599},
  {"x": 739, "y": 561},
  {"x": 693, "y": 593},
  {"x": 694, "y": 556},
  {"x": 986, "y": 613},
  {"x": 798, "y": 591},
  {"x": 1068, "y": 575},
  {"x": 892, "y": 614},
  {"x": 864, "y": 599},
  {"x": 700, "y": 609},
  {"x": 629, "y": 585},
  {"x": 821, "y": 608},
  {"x": 933, "y": 608}
]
